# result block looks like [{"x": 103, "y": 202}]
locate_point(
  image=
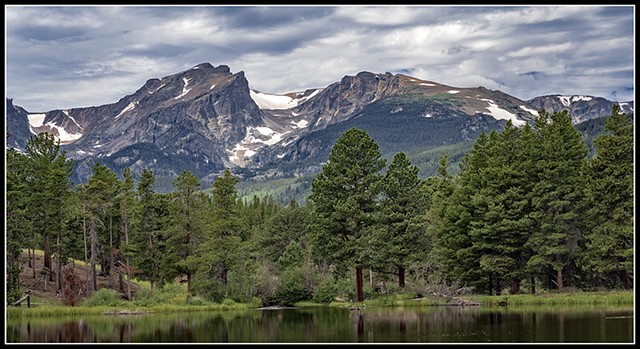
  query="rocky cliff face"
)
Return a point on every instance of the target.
[
  {"x": 17, "y": 131},
  {"x": 581, "y": 108},
  {"x": 206, "y": 119}
]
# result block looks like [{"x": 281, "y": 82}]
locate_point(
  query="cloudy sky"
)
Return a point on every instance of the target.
[{"x": 76, "y": 56}]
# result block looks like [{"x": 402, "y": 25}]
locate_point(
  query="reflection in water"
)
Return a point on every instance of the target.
[{"x": 339, "y": 325}]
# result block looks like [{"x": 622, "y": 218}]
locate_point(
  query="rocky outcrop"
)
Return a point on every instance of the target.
[
  {"x": 581, "y": 108},
  {"x": 206, "y": 119}
]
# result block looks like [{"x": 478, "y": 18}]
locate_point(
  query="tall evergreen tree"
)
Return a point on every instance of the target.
[
  {"x": 148, "y": 229},
  {"x": 345, "y": 195},
  {"x": 611, "y": 172},
  {"x": 127, "y": 211},
  {"x": 98, "y": 196},
  {"x": 557, "y": 196},
  {"x": 400, "y": 239},
  {"x": 221, "y": 248},
  {"x": 450, "y": 214},
  {"x": 187, "y": 227},
  {"x": 500, "y": 225},
  {"x": 48, "y": 188},
  {"x": 18, "y": 225}
]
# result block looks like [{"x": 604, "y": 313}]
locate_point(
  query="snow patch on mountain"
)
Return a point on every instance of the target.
[
  {"x": 63, "y": 135},
  {"x": 529, "y": 110},
  {"x": 185, "y": 90},
  {"x": 625, "y": 104},
  {"x": 501, "y": 114},
  {"x": 252, "y": 142},
  {"x": 36, "y": 120},
  {"x": 300, "y": 124},
  {"x": 129, "y": 107},
  {"x": 567, "y": 100},
  {"x": 270, "y": 101}
]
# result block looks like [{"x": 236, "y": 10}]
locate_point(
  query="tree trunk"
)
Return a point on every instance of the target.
[
  {"x": 121, "y": 282},
  {"x": 111, "y": 266},
  {"x": 151, "y": 254},
  {"x": 515, "y": 286},
  {"x": 498, "y": 286},
  {"x": 401, "y": 276},
  {"x": 533, "y": 285},
  {"x": 359, "y": 293},
  {"x": 624, "y": 278},
  {"x": 189, "y": 282},
  {"x": 84, "y": 239},
  {"x": 126, "y": 259},
  {"x": 490, "y": 284},
  {"x": 559, "y": 278},
  {"x": 59, "y": 269},
  {"x": 94, "y": 282},
  {"x": 33, "y": 263},
  {"x": 47, "y": 255}
]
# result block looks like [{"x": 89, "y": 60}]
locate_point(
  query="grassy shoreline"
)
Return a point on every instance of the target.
[{"x": 611, "y": 298}]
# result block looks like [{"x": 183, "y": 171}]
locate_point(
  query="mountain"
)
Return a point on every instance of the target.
[
  {"x": 206, "y": 119},
  {"x": 581, "y": 108}
]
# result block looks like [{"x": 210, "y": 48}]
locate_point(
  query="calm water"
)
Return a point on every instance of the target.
[{"x": 339, "y": 325}]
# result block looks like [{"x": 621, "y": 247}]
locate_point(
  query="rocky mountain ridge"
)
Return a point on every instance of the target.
[{"x": 206, "y": 119}]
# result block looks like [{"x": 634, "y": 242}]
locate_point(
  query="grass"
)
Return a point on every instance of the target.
[
  {"x": 570, "y": 298},
  {"x": 174, "y": 299},
  {"x": 60, "y": 310},
  {"x": 610, "y": 298}
]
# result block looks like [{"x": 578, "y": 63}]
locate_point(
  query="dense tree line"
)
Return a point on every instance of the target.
[{"x": 528, "y": 209}]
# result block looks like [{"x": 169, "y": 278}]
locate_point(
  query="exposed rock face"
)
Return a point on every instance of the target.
[
  {"x": 581, "y": 108},
  {"x": 17, "y": 131},
  {"x": 341, "y": 99},
  {"x": 206, "y": 119}
]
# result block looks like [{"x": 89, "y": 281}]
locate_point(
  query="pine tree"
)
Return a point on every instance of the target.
[
  {"x": 221, "y": 249},
  {"x": 345, "y": 196},
  {"x": 400, "y": 239},
  {"x": 148, "y": 228},
  {"x": 187, "y": 227},
  {"x": 127, "y": 208},
  {"x": 557, "y": 196},
  {"x": 610, "y": 248},
  {"x": 98, "y": 196},
  {"x": 500, "y": 225},
  {"x": 48, "y": 185},
  {"x": 18, "y": 225}
]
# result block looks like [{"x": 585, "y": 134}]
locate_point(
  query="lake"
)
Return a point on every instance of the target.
[{"x": 428, "y": 324}]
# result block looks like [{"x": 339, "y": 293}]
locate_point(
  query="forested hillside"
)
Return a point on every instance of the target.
[{"x": 528, "y": 210}]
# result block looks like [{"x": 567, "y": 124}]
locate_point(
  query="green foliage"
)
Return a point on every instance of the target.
[
  {"x": 278, "y": 190},
  {"x": 325, "y": 292},
  {"x": 527, "y": 211},
  {"x": 103, "y": 297},
  {"x": 292, "y": 289},
  {"x": 558, "y": 194},
  {"x": 609, "y": 246},
  {"x": 344, "y": 195},
  {"x": 169, "y": 293}
]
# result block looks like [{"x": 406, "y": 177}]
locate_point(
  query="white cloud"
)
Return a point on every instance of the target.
[{"x": 69, "y": 56}]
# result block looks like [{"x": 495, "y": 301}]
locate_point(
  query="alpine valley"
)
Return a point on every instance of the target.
[{"x": 207, "y": 119}]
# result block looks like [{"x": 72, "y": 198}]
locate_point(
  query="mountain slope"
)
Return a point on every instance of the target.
[{"x": 206, "y": 119}]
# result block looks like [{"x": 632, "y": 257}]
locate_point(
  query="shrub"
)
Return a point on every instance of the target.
[
  {"x": 325, "y": 292},
  {"x": 103, "y": 297},
  {"x": 291, "y": 290}
]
